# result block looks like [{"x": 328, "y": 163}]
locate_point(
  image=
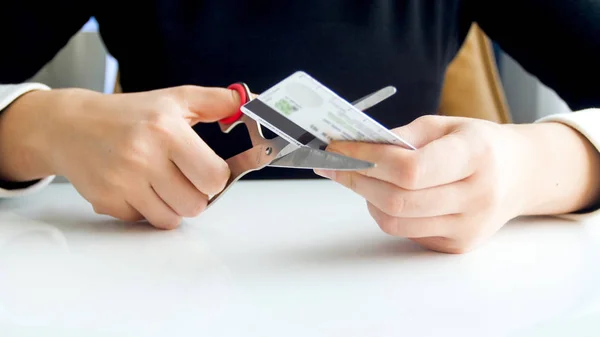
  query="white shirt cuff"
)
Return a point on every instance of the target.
[
  {"x": 8, "y": 94},
  {"x": 586, "y": 122}
]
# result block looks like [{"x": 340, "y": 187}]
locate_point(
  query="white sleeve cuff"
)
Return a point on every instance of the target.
[
  {"x": 29, "y": 189},
  {"x": 8, "y": 94},
  {"x": 586, "y": 122}
]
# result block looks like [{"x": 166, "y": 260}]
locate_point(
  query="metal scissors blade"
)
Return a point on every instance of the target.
[
  {"x": 309, "y": 158},
  {"x": 278, "y": 152},
  {"x": 374, "y": 98}
]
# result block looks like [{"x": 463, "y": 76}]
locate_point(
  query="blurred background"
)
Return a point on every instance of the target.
[{"x": 85, "y": 63}]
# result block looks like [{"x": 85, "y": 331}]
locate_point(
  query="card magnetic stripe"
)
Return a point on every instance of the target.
[{"x": 259, "y": 108}]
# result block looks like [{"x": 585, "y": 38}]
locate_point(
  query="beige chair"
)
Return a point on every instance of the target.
[{"x": 472, "y": 87}]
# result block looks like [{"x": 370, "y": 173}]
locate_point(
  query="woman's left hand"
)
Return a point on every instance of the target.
[{"x": 466, "y": 179}]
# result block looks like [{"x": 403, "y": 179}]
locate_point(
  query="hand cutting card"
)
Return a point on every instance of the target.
[
  {"x": 305, "y": 116},
  {"x": 305, "y": 112}
]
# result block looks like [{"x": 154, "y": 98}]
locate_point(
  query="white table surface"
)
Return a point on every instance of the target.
[{"x": 305, "y": 260}]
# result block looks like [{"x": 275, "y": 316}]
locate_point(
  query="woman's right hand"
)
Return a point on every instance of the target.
[{"x": 132, "y": 156}]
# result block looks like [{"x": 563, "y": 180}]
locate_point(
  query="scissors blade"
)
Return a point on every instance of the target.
[
  {"x": 309, "y": 158},
  {"x": 375, "y": 98}
]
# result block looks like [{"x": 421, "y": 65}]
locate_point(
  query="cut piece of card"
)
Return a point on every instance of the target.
[{"x": 302, "y": 111}]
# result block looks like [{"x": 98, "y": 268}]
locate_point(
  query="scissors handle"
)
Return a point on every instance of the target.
[
  {"x": 253, "y": 159},
  {"x": 244, "y": 94}
]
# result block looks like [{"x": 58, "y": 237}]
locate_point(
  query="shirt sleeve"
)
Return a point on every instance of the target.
[
  {"x": 586, "y": 122},
  {"x": 8, "y": 94},
  {"x": 557, "y": 42},
  {"x": 554, "y": 40},
  {"x": 31, "y": 34}
]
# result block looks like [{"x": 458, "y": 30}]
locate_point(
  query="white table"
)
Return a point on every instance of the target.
[{"x": 306, "y": 260}]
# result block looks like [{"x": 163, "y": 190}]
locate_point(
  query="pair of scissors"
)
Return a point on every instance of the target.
[{"x": 278, "y": 152}]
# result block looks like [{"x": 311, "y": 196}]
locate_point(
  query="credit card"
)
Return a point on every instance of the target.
[{"x": 305, "y": 112}]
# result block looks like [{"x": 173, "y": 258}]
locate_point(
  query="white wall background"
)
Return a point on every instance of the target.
[
  {"x": 85, "y": 63},
  {"x": 527, "y": 97}
]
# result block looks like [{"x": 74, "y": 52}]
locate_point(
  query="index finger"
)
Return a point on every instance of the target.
[{"x": 440, "y": 162}]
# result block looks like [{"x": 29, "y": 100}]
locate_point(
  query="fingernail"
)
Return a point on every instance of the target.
[{"x": 325, "y": 174}]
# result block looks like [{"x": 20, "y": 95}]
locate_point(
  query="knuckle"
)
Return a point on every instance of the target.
[
  {"x": 169, "y": 100},
  {"x": 218, "y": 171},
  {"x": 385, "y": 222},
  {"x": 179, "y": 93},
  {"x": 134, "y": 156},
  {"x": 159, "y": 124},
  {"x": 197, "y": 207},
  {"x": 101, "y": 208},
  {"x": 427, "y": 120},
  {"x": 410, "y": 173},
  {"x": 388, "y": 225},
  {"x": 395, "y": 204},
  {"x": 134, "y": 141},
  {"x": 178, "y": 97}
]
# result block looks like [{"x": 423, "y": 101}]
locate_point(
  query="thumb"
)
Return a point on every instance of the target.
[
  {"x": 207, "y": 104},
  {"x": 426, "y": 129}
]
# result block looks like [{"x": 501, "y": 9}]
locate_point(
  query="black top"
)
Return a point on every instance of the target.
[{"x": 354, "y": 47}]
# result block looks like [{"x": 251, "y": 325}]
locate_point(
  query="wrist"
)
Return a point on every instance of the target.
[
  {"x": 20, "y": 142},
  {"x": 27, "y": 138},
  {"x": 560, "y": 169}
]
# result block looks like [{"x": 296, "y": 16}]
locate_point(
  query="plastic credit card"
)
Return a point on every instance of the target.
[{"x": 304, "y": 111}]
